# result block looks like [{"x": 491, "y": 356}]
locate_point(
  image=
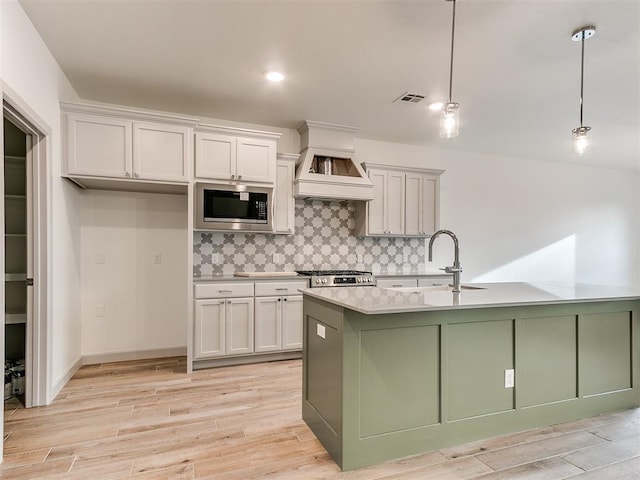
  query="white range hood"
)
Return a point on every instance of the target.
[{"x": 328, "y": 168}]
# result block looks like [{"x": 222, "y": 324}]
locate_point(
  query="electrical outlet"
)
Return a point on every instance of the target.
[
  {"x": 509, "y": 378},
  {"x": 276, "y": 258},
  {"x": 320, "y": 331},
  {"x": 157, "y": 258},
  {"x": 214, "y": 258},
  {"x": 360, "y": 258},
  {"x": 100, "y": 311},
  {"x": 405, "y": 257}
]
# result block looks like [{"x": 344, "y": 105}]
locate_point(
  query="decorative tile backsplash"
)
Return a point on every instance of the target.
[{"x": 323, "y": 239}]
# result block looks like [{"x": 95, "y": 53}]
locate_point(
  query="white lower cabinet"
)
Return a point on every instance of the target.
[
  {"x": 243, "y": 318},
  {"x": 278, "y": 323},
  {"x": 223, "y": 327}
]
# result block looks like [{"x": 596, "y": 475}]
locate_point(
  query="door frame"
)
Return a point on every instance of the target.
[{"x": 37, "y": 336}]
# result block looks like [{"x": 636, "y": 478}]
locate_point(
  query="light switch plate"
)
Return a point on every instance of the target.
[{"x": 214, "y": 258}]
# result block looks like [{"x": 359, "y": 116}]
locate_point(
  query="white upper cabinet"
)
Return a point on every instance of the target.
[
  {"x": 421, "y": 204},
  {"x": 161, "y": 152},
  {"x": 405, "y": 203},
  {"x": 284, "y": 202},
  {"x": 235, "y": 158},
  {"x": 103, "y": 144},
  {"x": 386, "y": 210},
  {"x": 99, "y": 146}
]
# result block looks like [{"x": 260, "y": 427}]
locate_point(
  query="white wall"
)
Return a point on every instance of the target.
[
  {"x": 144, "y": 302},
  {"x": 525, "y": 220},
  {"x": 31, "y": 73}
]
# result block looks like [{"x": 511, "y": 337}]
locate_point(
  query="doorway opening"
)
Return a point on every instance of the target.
[{"x": 25, "y": 270}]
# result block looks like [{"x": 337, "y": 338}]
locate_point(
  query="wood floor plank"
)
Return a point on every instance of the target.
[
  {"x": 530, "y": 452},
  {"x": 553, "y": 468},
  {"x": 149, "y": 419},
  {"x": 605, "y": 454},
  {"x": 628, "y": 470}
]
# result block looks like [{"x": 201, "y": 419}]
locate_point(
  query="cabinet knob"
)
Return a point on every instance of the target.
[
  {"x": 285, "y": 299},
  {"x": 279, "y": 299},
  {"x": 232, "y": 177},
  {"x": 228, "y": 301},
  {"x": 239, "y": 177},
  {"x": 136, "y": 174},
  {"x": 127, "y": 174}
]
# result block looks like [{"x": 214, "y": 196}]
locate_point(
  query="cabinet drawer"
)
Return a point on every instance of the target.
[
  {"x": 280, "y": 288},
  {"x": 223, "y": 290},
  {"x": 397, "y": 282}
]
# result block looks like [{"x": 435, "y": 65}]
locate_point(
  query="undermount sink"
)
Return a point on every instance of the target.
[{"x": 433, "y": 288}]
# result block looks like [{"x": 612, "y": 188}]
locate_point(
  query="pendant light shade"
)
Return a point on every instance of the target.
[
  {"x": 580, "y": 138},
  {"x": 450, "y": 118}
]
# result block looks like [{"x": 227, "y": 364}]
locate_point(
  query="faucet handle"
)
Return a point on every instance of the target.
[{"x": 452, "y": 269}]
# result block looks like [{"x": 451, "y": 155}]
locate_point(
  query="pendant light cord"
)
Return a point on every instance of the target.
[
  {"x": 453, "y": 28},
  {"x": 582, "y": 77}
]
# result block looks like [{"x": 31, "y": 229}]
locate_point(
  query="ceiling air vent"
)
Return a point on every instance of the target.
[{"x": 407, "y": 97}]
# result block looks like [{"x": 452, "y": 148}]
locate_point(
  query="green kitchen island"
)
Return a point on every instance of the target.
[{"x": 389, "y": 373}]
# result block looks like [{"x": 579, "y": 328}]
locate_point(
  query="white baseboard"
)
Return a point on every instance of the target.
[
  {"x": 59, "y": 384},
  {"x": 98, "y": 358}
]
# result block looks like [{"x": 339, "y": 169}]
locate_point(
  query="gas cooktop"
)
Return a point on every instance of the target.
[{"x": 338, "y": 278}]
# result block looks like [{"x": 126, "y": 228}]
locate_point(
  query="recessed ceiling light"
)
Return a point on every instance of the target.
[
  {"x": 435, "y": 106},
  {"x": 273, "y": 76}
]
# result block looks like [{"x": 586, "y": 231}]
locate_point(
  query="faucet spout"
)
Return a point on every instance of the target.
[{"x": 455, "y": 268}]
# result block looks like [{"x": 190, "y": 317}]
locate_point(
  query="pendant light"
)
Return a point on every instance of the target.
[
  {"x": 580, "y": 139},
  {"x": 450, "y": 118}
]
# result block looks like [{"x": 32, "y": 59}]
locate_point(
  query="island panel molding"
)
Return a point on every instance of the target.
[{"x": 369, "y": 388}]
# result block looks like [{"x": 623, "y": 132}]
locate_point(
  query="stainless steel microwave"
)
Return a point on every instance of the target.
[{"x": 233, "y": 207}]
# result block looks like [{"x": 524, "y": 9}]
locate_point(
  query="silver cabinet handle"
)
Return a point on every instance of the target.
[
  {"x": 281, "y": 289},
  {"x": 225, "y": 291}
]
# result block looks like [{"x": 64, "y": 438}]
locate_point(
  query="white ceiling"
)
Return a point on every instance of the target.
[{"x": 516, "y": 71}]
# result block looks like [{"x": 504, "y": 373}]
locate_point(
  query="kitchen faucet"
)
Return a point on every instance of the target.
[{"x": 455, "y": 268}]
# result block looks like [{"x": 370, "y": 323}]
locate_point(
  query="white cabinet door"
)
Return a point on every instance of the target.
[
  {"x": 292, "y": 322},
  {"x": 413, "y": 211},
  {"x": 394, "y": 211},
  {"x": 256, "y": 160},
  {"x": 215, "y": 156},
  {"x": 161, "y": 152},
  {"x": 284, "y": 203},
  {"x": 421, "y": 204},
  {"x": 268, "y": 323},
  {"x": 209, "y": 328},
  {"x": 429, "y": 204},
  {"x": 376, "y": 207},
  {"x": 98, "y": 146},
  {"x": 239, "y": 326}
]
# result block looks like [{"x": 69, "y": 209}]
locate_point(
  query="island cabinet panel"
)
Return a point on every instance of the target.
[
  {"x": 552, "y": 376},
  {"x": 387, "y": 385},
  {"x": 606, "y": 358},
  {"x": 478, "y": 354},
  {"x": 399, "y": 379}
]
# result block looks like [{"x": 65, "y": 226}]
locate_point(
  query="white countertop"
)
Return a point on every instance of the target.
[{"x": 375, "y": 300}]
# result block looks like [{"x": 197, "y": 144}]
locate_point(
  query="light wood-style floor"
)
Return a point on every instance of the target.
[{"x": 150, "y": 420}]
